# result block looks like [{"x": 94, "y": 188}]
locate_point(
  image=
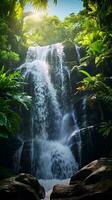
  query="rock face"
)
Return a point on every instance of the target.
[
  {"x": 94, "y": 181},
  {"x": 7, "y": 149},
  {"x": 71, "y": 57},
  {"x": 94, "y": 145},
  {"x": 21, "y": 187}
]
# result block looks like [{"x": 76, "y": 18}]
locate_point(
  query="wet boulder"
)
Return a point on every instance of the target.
[
  {"x": 94, "y": 181},
  {"x": 67, "y": 192},
  {"x": 100, "y": 167},
  {"x": 21, "y": 187}
]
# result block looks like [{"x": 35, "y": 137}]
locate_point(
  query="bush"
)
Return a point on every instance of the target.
[{"x": 11, "y": 97}]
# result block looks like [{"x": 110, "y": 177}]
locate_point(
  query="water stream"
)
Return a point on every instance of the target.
[{"x": 53, "y": 120}]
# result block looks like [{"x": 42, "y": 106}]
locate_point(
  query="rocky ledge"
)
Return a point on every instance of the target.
[
  {"x": 21, "y": 187},
  {"x": 94, "y": 181}
]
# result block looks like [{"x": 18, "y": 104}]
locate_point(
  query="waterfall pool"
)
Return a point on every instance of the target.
[{"x": 48, "y": 185}]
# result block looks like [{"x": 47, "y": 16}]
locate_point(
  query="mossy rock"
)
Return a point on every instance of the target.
[{"x": 70, "y": 52}]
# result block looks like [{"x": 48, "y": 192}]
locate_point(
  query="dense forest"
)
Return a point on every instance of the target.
[{"x": 90, "y": 30}]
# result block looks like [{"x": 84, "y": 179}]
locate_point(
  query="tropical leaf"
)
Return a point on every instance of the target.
[
  {"x": 85, "y": 73},
  {"x": 23, "y": 99},
  {"x": 11, "y": 97},
  {"x": 106, "y": 128}
]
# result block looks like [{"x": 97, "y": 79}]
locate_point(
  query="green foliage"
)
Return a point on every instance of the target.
[
  {"x": 8, "y": 48},
  {"x": 98, "y": 88},
  {"x": 36, "y": 30},
  {"x": 85, "y": 73},
  {"x": 101, "y": 10},
  {"x": 106, "y": 128},
  {"x": 72, "y": 26},
  {"x": 86, "y": 30},
  {"x": 3, "y": 34},
  {"x": 89, "y": 33},
  {"x": 90, "y": 82},
  {"x": 95, "y": 48},
  {"x": 9, "y": 58},
  {"x": 11, "y": 98}
]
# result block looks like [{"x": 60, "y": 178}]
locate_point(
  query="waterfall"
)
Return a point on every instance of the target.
[
  {"x": 84, "y": 109},
  {"x": 17, "y": 157},
  {"x": 78, "y": 52},
  {"x": 52, "y": 118},
  {"x": 75, "y": 137}
]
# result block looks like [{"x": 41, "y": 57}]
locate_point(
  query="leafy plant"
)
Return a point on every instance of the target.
[
  {"x": 97, "y": 87},
  {"x": 11, "y": 99},
  {"x": 106, "y": 128},
  {"x": 34, "y": 34},
  {"x": 9, "y": 57},
  {"x": 90, "y": 82}
]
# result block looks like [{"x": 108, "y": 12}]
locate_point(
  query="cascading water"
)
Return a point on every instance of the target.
[
  {"x": 78, "y": 52},
  {"x": 52, "y": 117},
  {"x": 84, "y": 105},
  {"x": 76, "y": 138}
]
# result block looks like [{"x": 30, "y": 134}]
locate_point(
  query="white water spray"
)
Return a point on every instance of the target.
[{"x": 52, "y": 124}]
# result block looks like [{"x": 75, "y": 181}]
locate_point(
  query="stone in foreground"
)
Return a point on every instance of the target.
[
  {"x": 94, "y": 181},
  {"x": 21, "y": 187}
]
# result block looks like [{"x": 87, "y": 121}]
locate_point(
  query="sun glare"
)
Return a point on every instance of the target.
[{"x": 38, "y": 14}]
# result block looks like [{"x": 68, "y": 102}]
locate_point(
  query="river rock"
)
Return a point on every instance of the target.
[
  {"x": 94, "y": 181},
  {"x": 21, "y": 187},
  {"x": 67, "y": 192},
  {"x": 101, "y": 167}
]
